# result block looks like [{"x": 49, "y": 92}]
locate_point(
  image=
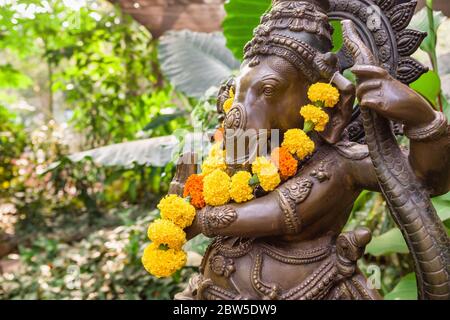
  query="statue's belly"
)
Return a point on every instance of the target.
[{"x": 235, "y": 268}]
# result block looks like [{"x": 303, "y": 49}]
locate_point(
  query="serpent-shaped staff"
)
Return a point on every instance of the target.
[{"x": 409, "y": 203}]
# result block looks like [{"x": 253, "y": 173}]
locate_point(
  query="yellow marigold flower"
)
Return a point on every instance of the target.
[
  {"x": 177, "y": 210},
  {"x": 165, "y": 232},
  {"x": 324, "y": 92},
  {"x": 231, "y": 92},
  {"x": 228, "y": 104},
  {"x": 162, "y": 263},
  {"x": 316, "y": 115},
  {"x": 217, "y": 150},
  {"x": 259, "y": 164},
  {"x": 268, "y": 177},
  {"x": 297, "y": 142},
  {"x": 5, "y": 184},
  {"x": 269, "y": 182},
  {"x": 240, "y": 190},
  {"x": 216, "y": 188},
  {"x": 212, "y": 163}
]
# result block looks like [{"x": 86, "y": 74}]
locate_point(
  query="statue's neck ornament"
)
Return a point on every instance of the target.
[{"x": 299, "y": 32}]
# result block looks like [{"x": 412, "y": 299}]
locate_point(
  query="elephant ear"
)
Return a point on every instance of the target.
[
  {"x": 195, "y": 61},
  {"x": 341, "y": 114}
]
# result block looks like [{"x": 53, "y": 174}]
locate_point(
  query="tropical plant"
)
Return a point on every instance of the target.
[{"x": 195, "y": 61}]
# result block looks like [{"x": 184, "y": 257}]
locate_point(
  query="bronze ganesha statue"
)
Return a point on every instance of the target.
[{"x": 289, "y": 243}]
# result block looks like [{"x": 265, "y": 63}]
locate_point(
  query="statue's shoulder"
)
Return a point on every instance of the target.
[{"x": 352, "y": 150}]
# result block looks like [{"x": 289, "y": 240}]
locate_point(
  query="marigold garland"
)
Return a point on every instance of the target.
[
  {"x": 229, "y": 102},
  {"x": 316, "y": 116},
  {"x": 285, "y": 162},
  {"x": 177, "y": 210},
  {"x": 240, "y": 190},
  {"x": 214, "y": 187},
  {"x": 269, "y": 179},
  {"x": 260, "y": 164},
  {"x": 323, "y": 93},
  {"x": 218, "y": 135},
  {"x": 217, "y": 150},
  {"x": 163, "y": 263},
  {"x": 165, "y": 232},
  {"x": 213, "y": 163},
  {"x": 298, "y": 143},
  {"x": 193, "y": 188},
  {"x": 215, "y": 159}
]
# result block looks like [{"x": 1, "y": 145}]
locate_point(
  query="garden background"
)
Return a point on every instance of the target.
[{"x": 95, "y": 96}]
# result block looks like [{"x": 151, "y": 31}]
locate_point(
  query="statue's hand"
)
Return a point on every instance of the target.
[
  {"x": 186, "y": 166},
  {"x": 378, "y": 90}
]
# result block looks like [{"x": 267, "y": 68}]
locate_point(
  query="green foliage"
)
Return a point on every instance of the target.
[
  {"x": 156, "y": 152},
  {"x": 387, "y": 243},
  {"x": 77, "y": 194},
  {"x": 393, "y": 242},
  {"x": 12, "y": 143},
  {"x": 337, "y": 36},
  {"x": 429, "y": 86},
  {"x": 117, "y": 94},
  {"x": 427, "y": 20},
  {"x": 195, "y": 61},
  {"x": 12, "y": 78},
  {"x": 242, "y": 17},
  {"x": 104, "y": 265},
  {"x": 406, "y": 289}
]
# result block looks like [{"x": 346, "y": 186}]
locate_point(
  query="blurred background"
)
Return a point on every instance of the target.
[{"x": 95, "y": 97}]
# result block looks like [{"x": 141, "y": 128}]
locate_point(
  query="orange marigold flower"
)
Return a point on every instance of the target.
[
  {"x": 218, "y": 135},
  {"x": 193, "y": 188},
  {"x": 285, "y": 162}
]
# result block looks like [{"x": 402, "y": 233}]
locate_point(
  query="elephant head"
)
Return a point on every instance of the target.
[{"x": 289, "y": 52}]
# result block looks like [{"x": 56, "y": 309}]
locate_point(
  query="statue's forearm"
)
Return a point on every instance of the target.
[
  {"x": 430, "y": 154},
  {"x": 260, "y": 217},
  {"x": 273, "y": 214}
]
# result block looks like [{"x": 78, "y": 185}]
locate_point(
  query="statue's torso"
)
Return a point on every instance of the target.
[{"x": 302, "y": 266}]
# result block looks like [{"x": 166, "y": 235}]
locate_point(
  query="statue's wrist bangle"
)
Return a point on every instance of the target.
[
  {"x": 212, "y": 219},
  {"x": 204, "y": 226},
  {"x": 433, "y": 131},
  {"x": 290, "y": 219}
]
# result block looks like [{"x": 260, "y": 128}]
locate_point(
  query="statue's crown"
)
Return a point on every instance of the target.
[
  {"x": 323, "y": 5},
  {"x": 297, "y": 31}
]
